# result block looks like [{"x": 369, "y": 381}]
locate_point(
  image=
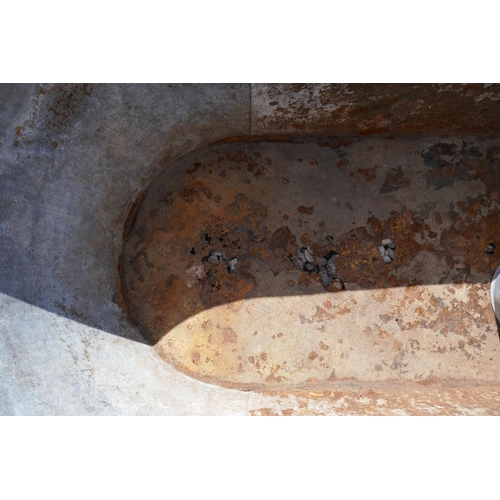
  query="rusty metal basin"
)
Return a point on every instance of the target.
[
  {"x": 264, "y": 176},
  {"x": 213, "y": 272}
]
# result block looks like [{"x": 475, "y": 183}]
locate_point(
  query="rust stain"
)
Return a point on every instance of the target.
[
  {"x": 229, "y": 335},
  {"x": 342, "y": 109},
  {"x": 65, "y": 102},
  {"x": 323, "y": 346},
  {"x": 368, "y": 173},
  {"x": 264, "y": 412},
  {"x": 395, "y": 180},
  {"x": 306, "y": 210}
]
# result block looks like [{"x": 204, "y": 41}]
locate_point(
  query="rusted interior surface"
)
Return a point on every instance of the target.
[
  {"x": 399, "y": 109},
  {"x": 416, "y": 165},
  {"x": 269, "y": 320}
]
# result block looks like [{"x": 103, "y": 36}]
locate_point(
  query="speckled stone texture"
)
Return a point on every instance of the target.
[{"x": 73, "y": 160}]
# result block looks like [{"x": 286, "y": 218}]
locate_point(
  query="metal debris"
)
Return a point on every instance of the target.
[
  {"x": 323, "y": 266},
  {"x": 305, "y": 254},
  {"x": 325, "y": 279},
  {"x": 308, "y": 255},
  {"x": 331, "y": 255},
  {"x": 321, "y": 261},
  {"x": 216, "y": 256},
  {"x": 231, "y": 265},
  {"x": 311, "y": 267},
  {"x": 490, "y": 249},
  {"x": 331, "y": 270},
  {"x": 387, "y": 250},
  {"x": 302, "y": 257}
]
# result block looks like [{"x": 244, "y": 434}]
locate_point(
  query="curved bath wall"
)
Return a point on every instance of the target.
[{"x": 73, "y": 158}]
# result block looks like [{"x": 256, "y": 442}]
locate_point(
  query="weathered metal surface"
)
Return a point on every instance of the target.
[
  {"x": 388, "y": 401},
  {"x": 376, "y": 108},
  {"x": 74, "y": 157},
  {"x": 267, "y": 323}
]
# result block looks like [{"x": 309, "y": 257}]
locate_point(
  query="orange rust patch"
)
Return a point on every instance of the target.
[
  {"x": 394, "y": 181},
  {"x": 273, "y": 378},
  {"x": 322, "y": 315},
  {"x": 306, "y": 210},
  {"x": 368, "y": 173},
  {"x": 195, "y": 357},
  {"x": 304, "y": 280},
  {"x": 263, "y": 412},
  {"x": 229, "y": 335},
  {"x": 397, "y": 345}
]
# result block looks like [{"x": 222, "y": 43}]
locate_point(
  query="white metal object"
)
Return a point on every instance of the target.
[{"x": 495, "y": 293}]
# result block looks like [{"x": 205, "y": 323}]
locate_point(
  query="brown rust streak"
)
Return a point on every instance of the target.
[
  {"x": 122, "y": 300},
  {"x": 379, "y": 109}
]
